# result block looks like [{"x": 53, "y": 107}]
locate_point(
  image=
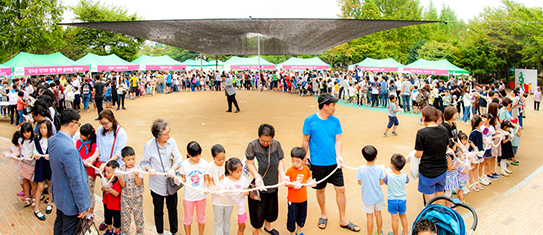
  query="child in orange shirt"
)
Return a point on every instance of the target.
[{"x": 297, "y": 194}]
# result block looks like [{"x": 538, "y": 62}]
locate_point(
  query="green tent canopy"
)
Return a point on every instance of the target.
[
  {"x": 215, "y": 63},
  {"x": 302, "y": 64},
  {"x": 4, "y": 70},
  {"x": 378, "y": 65},
  {"x": 56, "y": 63},
  {"x": 239, "y": 63},
  {"x": 440, "y": 68},
  {"x": 106, "y": 63},
  {"x": 196, "y": 63},
  {"x": 158, "y": 63}
]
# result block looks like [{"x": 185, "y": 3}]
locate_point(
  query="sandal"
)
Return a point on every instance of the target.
[
  {"x": 103, "y": 226},
  {"x": 474, "y": 188},
  {"x": 48, "y": 209},
  {"x": 39, "y": 215},
  {"x": 514, "y": 163},
  {"x": 27, "y": 202},
  {"x": 322, "y": 223},
  {"x": 351, "y": 227},
  {"x": 273, "y": 231}
]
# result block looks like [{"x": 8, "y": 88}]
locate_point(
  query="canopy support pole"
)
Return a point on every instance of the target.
[
  {"x": 259, "y": 70},
  {"x": 201, "y": 58}
]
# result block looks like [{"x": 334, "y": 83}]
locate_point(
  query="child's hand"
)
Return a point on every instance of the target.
[
  {"x": 297, "y": 185},
  {"x": 152, "y": 172}
]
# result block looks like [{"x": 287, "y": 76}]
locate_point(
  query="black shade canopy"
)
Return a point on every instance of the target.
[{"x": 239, "y": 36}]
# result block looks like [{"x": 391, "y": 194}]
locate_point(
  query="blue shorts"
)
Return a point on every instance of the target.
[
  {"x": 108, "y": 98},
  {"x": 432, "y": 185},
  {"x": 392, "y": 120},
  {"x": 488, "y": 154},
  {"x": 397, "y": 206}
]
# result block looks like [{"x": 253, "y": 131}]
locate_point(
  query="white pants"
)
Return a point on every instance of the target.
[{"x": 222, "y": 219}]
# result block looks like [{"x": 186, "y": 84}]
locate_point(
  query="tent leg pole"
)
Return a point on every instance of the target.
[{"x": 259, "y": 69}]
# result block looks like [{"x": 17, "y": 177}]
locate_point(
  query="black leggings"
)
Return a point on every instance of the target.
[{"x": 114, "y": 215}]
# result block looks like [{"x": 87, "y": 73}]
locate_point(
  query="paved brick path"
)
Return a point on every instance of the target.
[{"x": 517, "y": 211}]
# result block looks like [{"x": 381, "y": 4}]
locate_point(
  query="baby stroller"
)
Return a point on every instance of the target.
[{"x": 447, "y": 220}]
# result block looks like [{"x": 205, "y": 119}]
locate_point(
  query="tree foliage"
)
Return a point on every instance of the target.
[
  {"x": 29, "y": 26},
  {"x": 101, "y": 42}
]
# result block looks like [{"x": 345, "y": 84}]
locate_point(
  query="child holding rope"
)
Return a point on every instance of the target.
[
  {"x": 370, "y": 177},
  {"x": 42, "y": 171},
  {"x": 192, "y": 172},
  {"x": 297, "y": 194},
  {"x": 131, "y": 198},
  {"x": 112, "y": 200},
  {"x": 235, "y": 180},
  {"x": 86, "y": 145}
]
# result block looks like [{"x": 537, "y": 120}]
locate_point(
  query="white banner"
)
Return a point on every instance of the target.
[{"x": 526, "y": 76}]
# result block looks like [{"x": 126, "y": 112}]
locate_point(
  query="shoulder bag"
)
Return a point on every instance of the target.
[
  {"x": 255, "y": 194},
  {"x": 171, "y": 186}
]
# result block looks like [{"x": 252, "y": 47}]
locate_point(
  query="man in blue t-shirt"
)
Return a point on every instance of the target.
[
  {"x": 168, "y": 82},
  {"x": 322, "y": 137}
]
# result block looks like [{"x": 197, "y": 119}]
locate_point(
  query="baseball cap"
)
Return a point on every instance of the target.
[{"x": 327, "y": 99}]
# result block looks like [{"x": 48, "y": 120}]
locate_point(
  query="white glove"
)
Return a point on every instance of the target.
[
  {"x": 177, "y": 180},
  {"x": 340, "y": 162},
  {"x": 152, "y": 172},
  {"x": 259, "y": 182},
  {"x": 171, "y": 173},
  {"x": 297, "y": 185},
  {"x": 102, "y": 167},
  {"x": 312, "y": 182},
  {"x": 285, "y": 179}
]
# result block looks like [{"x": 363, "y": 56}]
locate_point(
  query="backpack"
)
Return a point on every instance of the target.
[
  {"x": 85, "y": 89},
  {"x": 419, "y": 99}
]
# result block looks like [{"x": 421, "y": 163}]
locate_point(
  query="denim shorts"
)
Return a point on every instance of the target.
[
  {"x": 392, "y": 120},
  {"x": 432, "y": 185},
  {"x": 397, "y": 206}
]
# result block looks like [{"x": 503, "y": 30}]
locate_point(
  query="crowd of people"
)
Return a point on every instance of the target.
[{"x": 448, "y": 160}]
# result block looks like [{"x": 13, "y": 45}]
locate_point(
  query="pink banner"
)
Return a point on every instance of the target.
[
  {"x": 379, "y": 69},
  {"x": 165, "y": 67},
  {"x": 109, "y": 68},
  {"x": 5, "y": 71},
  {"x": 304, "y": 67},
  {"x": 243, "y": 67},
  {"x": 56, "y": 70},
  {"x": 439, "y": 72}
]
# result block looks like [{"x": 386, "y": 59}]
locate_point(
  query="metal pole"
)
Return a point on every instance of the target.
[
  {"x": 201, "y": 58},
  {"x": 259, "y": 70}
]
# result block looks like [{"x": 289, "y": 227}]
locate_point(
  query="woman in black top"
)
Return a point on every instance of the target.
[
  {"x": 269, "y": 155},
  {"x": 431, "y": 146}
]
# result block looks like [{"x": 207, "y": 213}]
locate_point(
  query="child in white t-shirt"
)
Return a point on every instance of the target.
[
  {"x": 213, "y": 175},
  {"x": 235, "y": 180},
  {"x": 192, "y": 172}
]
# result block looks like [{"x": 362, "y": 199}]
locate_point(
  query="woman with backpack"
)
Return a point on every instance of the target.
[{"x": 86, "y": 90}]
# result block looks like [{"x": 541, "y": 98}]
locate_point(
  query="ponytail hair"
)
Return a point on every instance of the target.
[
  {"x": 88, "y": 130},
  {"x": 16, "y": 136},
  {"x": 231, "y": 165}
]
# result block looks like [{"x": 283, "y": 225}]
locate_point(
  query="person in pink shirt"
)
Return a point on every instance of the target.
[{"x": 537, "y": 98}]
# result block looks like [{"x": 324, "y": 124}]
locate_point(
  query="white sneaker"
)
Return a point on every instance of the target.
[
  {"x": 504, "y": 173},
  {"x": 466, "y": 191},
  {"x": 484, "y": 182},
  {"x": 508, "y": 171}
]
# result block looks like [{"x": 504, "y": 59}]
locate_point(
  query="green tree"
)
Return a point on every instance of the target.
[
  {"x": 29, "y": 26},
  {"x": 101, "y": 42}
]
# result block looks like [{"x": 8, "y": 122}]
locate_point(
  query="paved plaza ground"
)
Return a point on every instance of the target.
[{"x": 509, "y": 206}]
